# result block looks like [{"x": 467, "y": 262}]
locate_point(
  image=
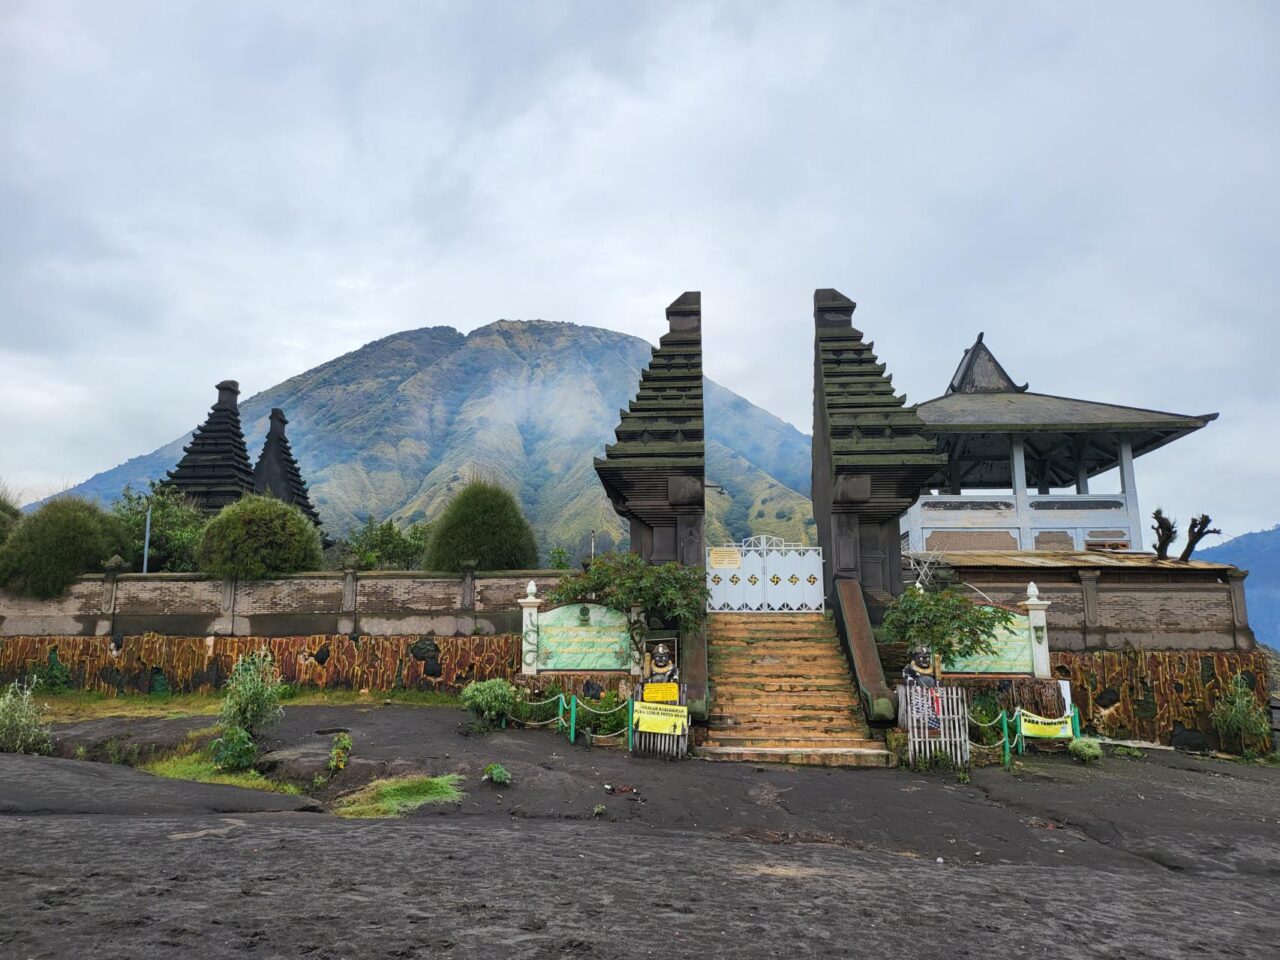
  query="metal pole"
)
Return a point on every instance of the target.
[
  {"x": 146, "y": 540},
  {"x": 631, "y": 715}
]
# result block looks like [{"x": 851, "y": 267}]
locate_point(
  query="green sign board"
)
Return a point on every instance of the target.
[
  {"x": 1011, "y": 652},
  {"x": 583, "y": 636}
]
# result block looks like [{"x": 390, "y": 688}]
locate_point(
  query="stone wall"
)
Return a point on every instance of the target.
[
  {"x": 377, "y": 603},
  {"x": 142, "y": 664},
  {"x": 1133, "y": 609}
]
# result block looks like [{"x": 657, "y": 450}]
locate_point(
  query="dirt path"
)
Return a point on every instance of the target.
[{"x": 1165, "y": 857}]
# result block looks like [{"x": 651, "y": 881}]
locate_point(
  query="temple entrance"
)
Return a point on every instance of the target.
[{"x": 764, "y": 575}]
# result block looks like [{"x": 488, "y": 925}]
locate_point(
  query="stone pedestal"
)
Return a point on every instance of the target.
[
  {"x": 529, "y": 605},
  {"x": 1035, "y": 608}
]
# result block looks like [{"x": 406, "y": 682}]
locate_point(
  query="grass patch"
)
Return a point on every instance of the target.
[
  {"x": 193, "y": 762},
  {"x": 399, "y": 795},
  {"x": 77, "y": 705}
]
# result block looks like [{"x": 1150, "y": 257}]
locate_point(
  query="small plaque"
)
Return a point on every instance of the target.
[
  {"x": 726, "y": 558},
  {"x": 661, "y": 692}
]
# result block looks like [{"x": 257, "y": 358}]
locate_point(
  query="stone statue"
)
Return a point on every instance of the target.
[{"x": 662, "y": 666}]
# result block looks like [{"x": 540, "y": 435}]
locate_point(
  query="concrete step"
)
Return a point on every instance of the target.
[
  {"x": 780, "y": 631},
  {"x": 828, "y": 757},
  {"x": 724, "y": 733},
  {"x": 844, "y": 741},
  {"x": 773, "y": 713},
  {"x": 752, "y": 701},
  {"x": 774, "y": 648},
  {"x": 840, "y": 684},
  {"x": 768, "y": 616},
  {"x": 781, "y": 671}
]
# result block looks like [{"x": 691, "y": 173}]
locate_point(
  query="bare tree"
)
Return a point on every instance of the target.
[
  {"x": 1198, "y": 530},
  {"x": 1166, "y": 531}
]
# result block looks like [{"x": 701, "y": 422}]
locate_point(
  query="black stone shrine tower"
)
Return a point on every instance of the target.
[{"x": 214, "y": 470}]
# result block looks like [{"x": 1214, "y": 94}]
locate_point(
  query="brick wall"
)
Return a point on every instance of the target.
[
  {"x": 373, "y": 604},
  {"x": 1160, "y": 611}
]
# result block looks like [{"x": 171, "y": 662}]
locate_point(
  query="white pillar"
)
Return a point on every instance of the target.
[
  {"x": 1021, "y": 503},
  {"x": 1038, "y": 627},
  {"x": 529, "y": 605},
  {"x": 1130, "y": 489}
]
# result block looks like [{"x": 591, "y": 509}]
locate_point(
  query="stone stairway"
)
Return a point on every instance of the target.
[{"x": 781, "y": 691}]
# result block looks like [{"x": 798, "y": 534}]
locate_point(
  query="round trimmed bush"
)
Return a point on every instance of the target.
[
  {"x": 9, "y": 512},
  {"x": 482, "y": 523},
  {"x": 65, "y": 538},
  {"x": 256, "y": 537}
]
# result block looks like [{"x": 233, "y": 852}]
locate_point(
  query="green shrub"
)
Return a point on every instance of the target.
[
  {"x": 1133, "y": 753},
  {"x": 65, "y": 538},
  {"x": 482, "y": 523},
  {"x": 1241, "y": 719},
  {"x": 10, "y": 514},
  {"x": 234, "y": 750},
  {"x": 944, "y": 622},
  {"x": 176, "y": 527},
  {"x": 22, "y": 725},
  {"x": 251, "y": 698},
  {"x": 1085, "y": 749},
  {"x": 497, "y": 774},
  {"x": 559, "y": 558},
  {"x": 52, "y": 675},
  {"x": 621, "y": 581},
  {"x": 340, "y": 752},
  {"x": 489, "y": 701},
  {"x": 256, "y": 537},
  {"x": 603, "y": 718},
  {"x": 384, "y": 546}
]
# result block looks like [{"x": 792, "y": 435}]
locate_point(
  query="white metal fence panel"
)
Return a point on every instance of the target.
[
  {"x": 763, "y": 575},
  {"x": 937, "y": 722}
]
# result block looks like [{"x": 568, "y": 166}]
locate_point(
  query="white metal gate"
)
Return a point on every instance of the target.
[{"x": 764, "y": 574}]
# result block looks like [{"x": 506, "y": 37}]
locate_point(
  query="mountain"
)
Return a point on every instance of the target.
[
  {"x": 394, "y": 428},
  {"x": 1259, "y": 553}
]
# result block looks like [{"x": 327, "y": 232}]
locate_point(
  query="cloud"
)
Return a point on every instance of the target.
[{"x": 192, "y": 191}]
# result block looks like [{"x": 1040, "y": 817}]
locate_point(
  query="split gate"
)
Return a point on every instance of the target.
[{"x": 764, "y": 575}]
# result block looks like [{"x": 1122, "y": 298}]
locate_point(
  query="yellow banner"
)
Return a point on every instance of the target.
[
  {"x": 661, "y": 692},
  {"x": 726, "y": 558},
  {"x": 660, "y": 718},
  {"x": 1045, "y": 728}
]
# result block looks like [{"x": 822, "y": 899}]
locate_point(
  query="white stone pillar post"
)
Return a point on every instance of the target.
[
  {"x": 1130, "y": 488},
  {"x": 1021, "y": 502},
  {"x": 529, "y": 605},
  {"x": 1038, "y": 627}
]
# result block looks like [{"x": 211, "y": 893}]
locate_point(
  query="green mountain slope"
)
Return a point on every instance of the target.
[
  {"x": 392, "y": 429},
  {"x": 1259, "y": 553}
]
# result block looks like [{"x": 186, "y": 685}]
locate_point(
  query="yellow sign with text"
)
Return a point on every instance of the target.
[
  {"x": 1045, "y": 728},
  {"x": 661, "y": 692},
  {"x": 661, "y": 718},
  {"x": 726, "y": 558}
]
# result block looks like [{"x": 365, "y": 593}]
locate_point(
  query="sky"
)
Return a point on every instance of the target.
[{"x": 196, "y": 191}]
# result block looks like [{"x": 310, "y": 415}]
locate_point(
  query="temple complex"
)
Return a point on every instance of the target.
[
  {"x": 653, "y": 475},
  {"x": 870, "y": 454},
  {"x": 1018, "y": 465},
  {"x": 277, "y": 472},
  {"x": 214, "y": 470}
]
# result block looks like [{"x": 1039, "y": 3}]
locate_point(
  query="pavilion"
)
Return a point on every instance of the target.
[{"x": 1008, "y": 449}]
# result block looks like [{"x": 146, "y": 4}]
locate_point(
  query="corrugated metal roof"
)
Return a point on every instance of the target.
[{"x": 1045, "y": 559}]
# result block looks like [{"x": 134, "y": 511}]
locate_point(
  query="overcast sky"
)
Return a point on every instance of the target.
[{"x": 190, "y": 192}]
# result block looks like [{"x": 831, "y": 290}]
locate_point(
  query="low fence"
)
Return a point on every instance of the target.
[
  {"x": 1275, "y": 723},
  {"x": 151, "y": 662},
  {"x": 937, "y": 722}
]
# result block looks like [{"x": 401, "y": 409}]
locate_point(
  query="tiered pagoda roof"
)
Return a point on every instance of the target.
[
  {"x": 869, "y": 444},
  {"x": 277, "y": 472},
  {"x": 654, "y": 472},
  {"x": 214, "y": 470}
]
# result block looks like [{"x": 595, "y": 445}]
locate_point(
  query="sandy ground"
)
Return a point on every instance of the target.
[{"x": 1165, "y": 857}]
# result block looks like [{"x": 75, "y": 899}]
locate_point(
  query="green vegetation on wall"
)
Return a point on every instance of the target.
[
  {"x": 176, "y": 527},
  {"x": 482, "y": 524},
  {"x": 256, "y": 537},
  {"x": 65, "y": 538},
  {"x": 384, "y": 546}
]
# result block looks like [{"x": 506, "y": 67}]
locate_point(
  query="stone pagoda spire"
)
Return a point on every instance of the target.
[
  {"x": 654, "y": 473},
  {"x": 214, "y": 470},
  {"x": 870, "y": 455},
  {"x": 277, "y": 471}
]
